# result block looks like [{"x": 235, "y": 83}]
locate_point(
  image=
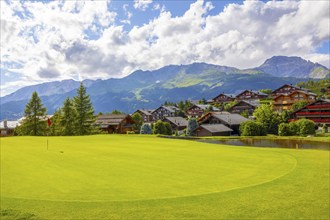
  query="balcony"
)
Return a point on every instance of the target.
[
  {"x": 325, "y": 106},
  {"x": 313, "y": 113}
]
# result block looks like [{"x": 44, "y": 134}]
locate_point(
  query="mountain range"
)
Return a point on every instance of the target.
[{"x": 149, "y": 89}]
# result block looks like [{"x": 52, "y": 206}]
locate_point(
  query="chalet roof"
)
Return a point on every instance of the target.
[
  {"x": 231, "y": 119},
  {"x": 170, "y": 108},
  {"x": 110, "y": 119},
  {"x": 253, "y": 91},
  {"x": 214, "y": 128},
  {"x": 228, "y": 95},
  {"x": 285, "y": 86},
  {"x": 296, "y": 91},
  {"x": 146, "y": 111},
  {"x": 253, "y": 103},
  {"x": 178, "y": 121},
  {"x": 10, "y": 124},
  {"x": 205, "y": 107}
]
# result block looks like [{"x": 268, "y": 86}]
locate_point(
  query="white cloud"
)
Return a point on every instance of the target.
[
  {"x": 52, "y": 41},
  {"x": 142, "y": 4}
]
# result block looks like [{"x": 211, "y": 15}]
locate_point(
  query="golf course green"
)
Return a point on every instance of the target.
[{"x": 146, "y": 177}]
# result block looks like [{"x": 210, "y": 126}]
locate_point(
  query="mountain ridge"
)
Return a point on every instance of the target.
[{"x": 147, "y": 89}]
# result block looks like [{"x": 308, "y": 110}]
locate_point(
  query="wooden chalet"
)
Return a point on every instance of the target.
[
  {"x": 244, "y": 105},
  {"x": 213, "y": 130},
  {"x": 197, "y": 111},
  {"x": 232, "y": 121},
  {"x": 223, "y": 98},
  {"x": 285, "y": 90},
  {"x": 318, "y": 111},
  {"x": 285, "y": 102},
  {"x": 251, "y": 95},
  {"x": 115, "y": 123},
  {"x": 164, "y": 111},
  {"x": 177, "y": 123},
  {"x": 7, "y": 128},
  {"x": 146, "y": 114}
]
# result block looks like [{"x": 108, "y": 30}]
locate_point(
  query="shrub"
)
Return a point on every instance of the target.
[
  {"x": 251, "y": 128},
  {"x": 146, "y": 129},
  {"x": 162, "y": 128},
  {"x": 284, "y": 129},
  {"x": 306, "y": 127},
  {"x": 269, "y": 119},
  {"x": 168, "y": 128},
  {"x": 192, "y": 125},
  {"x": 294, "y": 128}
]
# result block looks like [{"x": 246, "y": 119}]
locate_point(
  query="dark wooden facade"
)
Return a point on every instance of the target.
[
  {"x": 177, "y": 123},
  {"x": 285, "y": 102},
  {"x": 7, "y": 128},
  {"x": 233, "y": 121},
  {"x": 318, "y": 111},
  {"x": 243, "y": 105},
  {"x": 284, "y": 90},
  {"x": 115, "y": 123},
  {"x": 146, "y": 115},
  {"x": 251, "y": 95},
  {"x": 213, "y": 130},
  {"x": 223, "y": 98},
  {"x": 197, "y": 111},
  {"x": 164, "y": 111}
]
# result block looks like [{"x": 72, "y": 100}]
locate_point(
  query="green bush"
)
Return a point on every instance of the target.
[
  {"x": 284, "y": 129},
  {"x": 306, "y": 127},
  {"x": 294, "y": 128},
  {"x": 162, "y": 128},
  {"x": 251, "y": 128}
]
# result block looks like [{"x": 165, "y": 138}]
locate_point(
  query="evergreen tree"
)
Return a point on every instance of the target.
[
  {"x": 67, "y": 119},
  {"x": 55, "y": 127},
  {"x": 117, "y": 112},
  {"x": 85, "y": 118},
  {"x": 192, "y": 125},
  {"x": 146, "y": 129},
  {"x": 138, "y": 121},
  {"x": 35, "y": 122}
]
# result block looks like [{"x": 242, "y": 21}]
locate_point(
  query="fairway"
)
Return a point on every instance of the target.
[{"x": 99, "y": 176}]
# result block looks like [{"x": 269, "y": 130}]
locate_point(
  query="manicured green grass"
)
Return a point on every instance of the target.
[{"x": 145, "y": 177}]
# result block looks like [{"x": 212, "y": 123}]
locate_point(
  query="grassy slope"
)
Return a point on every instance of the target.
[{"x": 162, "y": 168}]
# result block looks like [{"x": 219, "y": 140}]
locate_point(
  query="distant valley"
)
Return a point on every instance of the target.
[{"x": 149, "y": 89}]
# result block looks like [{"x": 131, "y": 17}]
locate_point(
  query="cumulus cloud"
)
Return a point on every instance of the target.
[
  {"x": 52, "y": 40},
  {"x": 142, "y": 4}
]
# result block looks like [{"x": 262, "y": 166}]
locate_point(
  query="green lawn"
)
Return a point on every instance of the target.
[{"x": 145, "y": 177}]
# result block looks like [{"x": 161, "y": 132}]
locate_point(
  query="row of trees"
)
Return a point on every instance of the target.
[
  {"x": 268, "y": 121},
  {"x": 75, "y": 117}
]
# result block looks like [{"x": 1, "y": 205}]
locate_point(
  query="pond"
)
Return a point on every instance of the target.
[{"x": 276, "y": 143}]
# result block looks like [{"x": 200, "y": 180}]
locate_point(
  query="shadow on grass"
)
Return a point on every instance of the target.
[{"x": 14, "y": 214}]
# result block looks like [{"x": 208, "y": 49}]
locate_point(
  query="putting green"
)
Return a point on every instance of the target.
[{"x": 119, "y": 168}]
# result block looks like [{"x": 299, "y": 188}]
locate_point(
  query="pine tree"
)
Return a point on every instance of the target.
[
  {"x": 55, "y": 127},
  {"x": 35, "y": 122},
  {"x": 192, "y": 125},
  {"x": 68, "y": 118},
  {"x": 138, "y": 121},
  {"x": 85, "y": 118}
]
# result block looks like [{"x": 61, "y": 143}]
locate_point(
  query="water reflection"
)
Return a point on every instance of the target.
[{"x": 276, "y": 143}]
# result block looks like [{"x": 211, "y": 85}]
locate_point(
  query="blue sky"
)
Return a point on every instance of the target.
[{"x": 45, "y": 41}]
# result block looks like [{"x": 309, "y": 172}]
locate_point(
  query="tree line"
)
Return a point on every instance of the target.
[{"x": 75, "y": 117}]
